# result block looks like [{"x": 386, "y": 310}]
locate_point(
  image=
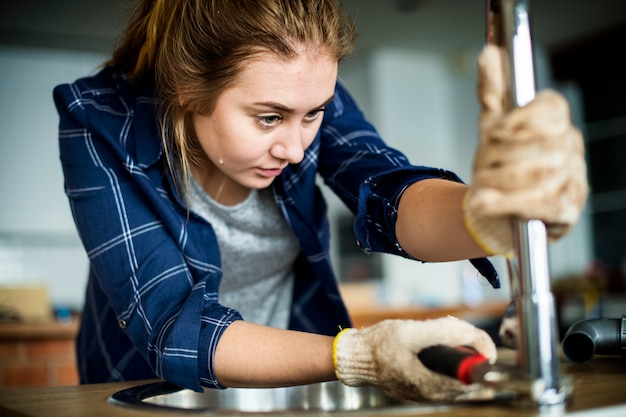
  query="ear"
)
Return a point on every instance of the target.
[{"x": 181, "y": 100}]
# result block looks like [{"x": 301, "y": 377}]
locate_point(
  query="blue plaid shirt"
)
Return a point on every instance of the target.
[{"x": 151, "y": 307}]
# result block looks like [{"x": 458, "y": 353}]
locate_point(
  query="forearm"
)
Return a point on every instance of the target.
[
  {"x": 250, "y": 355},
  {"x": 430, "y": 223}
]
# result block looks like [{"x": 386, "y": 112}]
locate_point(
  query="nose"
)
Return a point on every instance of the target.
[{"x": 290, "y": 146}]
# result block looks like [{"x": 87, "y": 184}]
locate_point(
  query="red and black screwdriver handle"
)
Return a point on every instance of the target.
[{"x": 457, "y": 362}]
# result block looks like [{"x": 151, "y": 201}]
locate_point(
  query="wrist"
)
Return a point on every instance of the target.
[{"x": 492, "y": 234}]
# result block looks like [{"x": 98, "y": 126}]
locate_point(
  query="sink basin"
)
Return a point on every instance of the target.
[{"x": 315, "y": 398}]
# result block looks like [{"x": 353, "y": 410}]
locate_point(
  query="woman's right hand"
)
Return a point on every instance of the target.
[{"x": 385, "y": 355}]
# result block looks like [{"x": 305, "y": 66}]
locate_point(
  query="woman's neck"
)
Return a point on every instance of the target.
[{"x": 218, "y": 185}]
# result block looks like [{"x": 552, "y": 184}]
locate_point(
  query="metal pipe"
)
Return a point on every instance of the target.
[
  {"x": 538, "y": 342},
  {"x": 586, "y": 338},
  {"x": 508, "y": 26}
]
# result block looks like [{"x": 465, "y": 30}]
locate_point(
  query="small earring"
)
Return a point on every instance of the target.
[{"x": 221, "y": 161}]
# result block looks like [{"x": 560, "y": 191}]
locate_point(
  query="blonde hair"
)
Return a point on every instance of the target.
[{"x": 196, "y": 48}]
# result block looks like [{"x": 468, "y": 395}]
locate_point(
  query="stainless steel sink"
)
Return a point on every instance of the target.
[{"x": 315, "y": 398}]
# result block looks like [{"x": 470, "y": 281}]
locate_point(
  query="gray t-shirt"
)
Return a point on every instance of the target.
[{"x": 257, "y": 249}]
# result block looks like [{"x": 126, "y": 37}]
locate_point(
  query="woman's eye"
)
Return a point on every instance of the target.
[
  {"x": 269, "y": 120},
  {"x": 314, "y": 114}
]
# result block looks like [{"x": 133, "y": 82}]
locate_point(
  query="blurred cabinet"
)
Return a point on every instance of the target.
[{"x": 594, "y": 64}]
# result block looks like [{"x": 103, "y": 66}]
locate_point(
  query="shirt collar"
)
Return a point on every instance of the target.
[{"x": 145, "y": 141}]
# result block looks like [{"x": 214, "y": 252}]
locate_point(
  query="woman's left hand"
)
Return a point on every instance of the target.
[{"x": 530, "y": 163}]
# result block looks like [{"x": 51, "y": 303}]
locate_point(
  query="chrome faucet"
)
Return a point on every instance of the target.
[{"x": 508, "y": 26}]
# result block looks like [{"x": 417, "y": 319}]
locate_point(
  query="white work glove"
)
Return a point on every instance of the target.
[
  {"x": 385, "y": 355},
  {"x": 529, "y": 164}
]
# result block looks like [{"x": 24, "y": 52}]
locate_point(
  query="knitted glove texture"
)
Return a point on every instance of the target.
[
  {"x": 530, "y": 163},
  {"x": 385, "y": 355}
]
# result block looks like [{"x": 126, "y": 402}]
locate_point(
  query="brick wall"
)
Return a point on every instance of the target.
[{"x": 37, "y": 355}]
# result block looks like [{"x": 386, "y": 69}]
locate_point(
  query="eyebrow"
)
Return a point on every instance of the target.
[{"x": 285, "y": 109}]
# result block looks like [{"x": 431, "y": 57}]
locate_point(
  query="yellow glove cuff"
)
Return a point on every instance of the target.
[
  {"x": 486, "y": 229},
  {"x": 335, "y": 342}
]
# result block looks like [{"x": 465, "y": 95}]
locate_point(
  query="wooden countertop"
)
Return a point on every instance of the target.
[
  {"x": 365, "y": 308},
  {"x": 599, "y": 383},
  {"x": 44, "y": 330}
]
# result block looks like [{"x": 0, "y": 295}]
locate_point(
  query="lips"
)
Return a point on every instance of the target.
[{"x": 270, "y": 172}]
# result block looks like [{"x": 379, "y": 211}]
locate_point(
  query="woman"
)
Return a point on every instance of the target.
[{"x": 190, "y": 163}]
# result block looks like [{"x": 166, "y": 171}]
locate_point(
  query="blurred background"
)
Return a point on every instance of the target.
[{"x": 413, "y": 73}]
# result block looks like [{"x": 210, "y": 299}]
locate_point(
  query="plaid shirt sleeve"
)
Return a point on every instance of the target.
[
  {"x": 157, "y": 275},
  {"x": 370, "y": 177},
  {"x": 367, "y": 174}
]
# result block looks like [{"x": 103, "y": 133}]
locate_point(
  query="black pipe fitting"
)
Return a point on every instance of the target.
[{"x": 595, "y": 336}]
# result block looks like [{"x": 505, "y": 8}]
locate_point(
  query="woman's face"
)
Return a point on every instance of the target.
[{"x": 266, "y": 120}]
